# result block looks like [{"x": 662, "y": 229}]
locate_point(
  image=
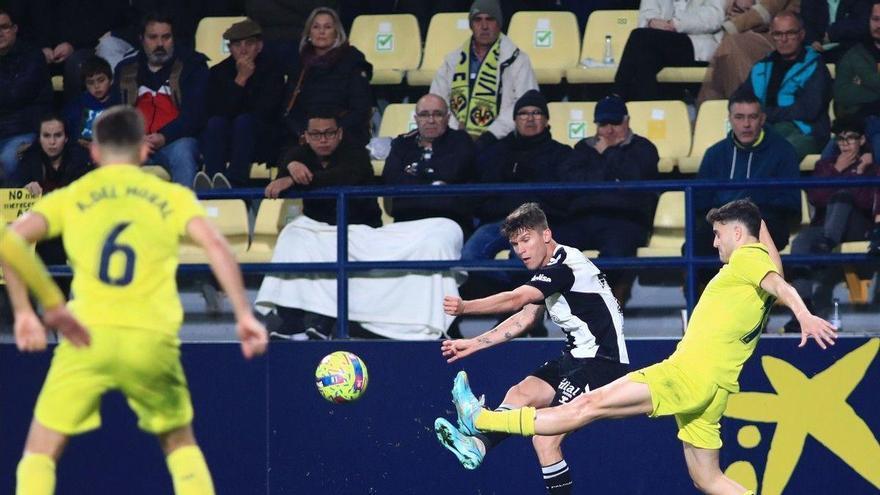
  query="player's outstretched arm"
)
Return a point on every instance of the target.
[
  {"x": 24, "y": 269},
  {"x": 453, "y": 350},
  {"x": 251, "y": 332},
  {"x": 811, "y": 325},
  {"x": 765, "y": 239},
  {"x": 503, "y": 302}
]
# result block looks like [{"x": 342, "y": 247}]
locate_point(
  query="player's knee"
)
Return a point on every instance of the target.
[
  {"x": 547, "y": 446},
  {"x": 517, "y": 395},
  {"x": 587, "y": 406}
]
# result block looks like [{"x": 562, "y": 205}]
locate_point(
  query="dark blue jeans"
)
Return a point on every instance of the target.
[{"x": 233, "y": 140}]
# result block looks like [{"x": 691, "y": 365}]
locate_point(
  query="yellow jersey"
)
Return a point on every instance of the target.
[
  {"x": 121, "y": 230},
  {"x": 727, "y": 321}
]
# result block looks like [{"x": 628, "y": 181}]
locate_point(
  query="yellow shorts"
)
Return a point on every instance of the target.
[
  {"x": 697, "y": 405},
  {"x": 142, "y": 364}
]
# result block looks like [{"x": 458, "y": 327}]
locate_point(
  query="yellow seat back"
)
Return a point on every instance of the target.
[
  {"x": 230, "y": 217},
  {"x": 571, "y": 121},
  {"x": 446, "y": 32},
  {"x": 664, "y": 123},
  {"x": 392, "y": 43},
  {"x": 209, "y": 37},
  {"x": 712, "y": 126},
  {"x": 668, "y": 235},
  {"x": 551, "y": 40},
  {"x": 398, "y": 118}
]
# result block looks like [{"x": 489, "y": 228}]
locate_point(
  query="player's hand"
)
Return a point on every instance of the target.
[
  {"x": 62, "y": 320},
  {"x": 30, "y": 334},
  {"x": 453, "y": 350},
  {"x": 817, "y": 328},
  {"x": 253, "y": 336},
  {"x": 453, "y": 305}
]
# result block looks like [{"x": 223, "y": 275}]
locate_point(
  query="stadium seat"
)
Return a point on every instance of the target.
[
  {"x": 231, "y": 218},
  {"x": 263, "y": 171},
  {"x": 271, "y": 218},
  {"x": 664, "y": 123},
  {"x": 384, "y": 206},
  {"x": 711, "y": 126},
  {"x": 158, "y": 171},
  {"x": 209, "y": 37},
  {"x": 551, "y": 40},
  {"x": 681, "y": 75},
  {"x": 806, "y": 215},
  {"x": 58, "y": 83},
  {"x": 618, "y": 24},
  {"x": 446, "y": 32},
  {"x": 668, "y": 235},
  {"x": 808, "y": 164},
  {"x": 858, "y": 287},
  {"x": 392, "y": 43},
  {"x": 397, "y": 119},
  {"x": 571, "y": 121}
]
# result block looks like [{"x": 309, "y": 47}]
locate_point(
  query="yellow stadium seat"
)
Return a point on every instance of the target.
[
  {"x": 446, "y": 32},
  {"x": 384, "y": 206},
  {"x": 681, "y": 75},
  {"x": 712, "y": 125},
  {"x": 271, "y": 218},
  {"x": 664, "y": 123},
  {"x": 808, "y": 164},
  {"x": 397, "y": 119},
  {"x": 209, "y": 37},
  {"x": 832, "y": 69},
  {"x": 551, "y": 40},
  {"x": 805, "y": 222},
  {"x": 392, "y": 43},
  {"x": 616, "y": 23},
  {"x": 58, "y": 83},
  {"x": 571, "y": 121},
  {"x": 263, "y": 171},
  {"x": 230, "y": 217},
  {"x": 668, "y": 236}
]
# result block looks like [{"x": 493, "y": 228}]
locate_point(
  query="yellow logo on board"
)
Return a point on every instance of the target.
[{"x": 805, "y": 406}]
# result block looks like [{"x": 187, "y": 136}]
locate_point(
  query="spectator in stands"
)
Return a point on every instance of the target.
[
  {"x": 67, "y": 32},
  {"x": 282, "y": 23},
  {"x": 25, "y": 93},
  {"x": 746, "y": 40},
  {"x": 840, "y": 215},
  {"x": 751, "y": 151},
  {"x": 614, "y": 222},
  {"x": 331, "y": 74},
  {"x": 51, "y": 162},
  {"x": 328, "y": 159},
  {"x": 670, "y": 33},
  {"x": 81, "y": 112},
  {"x": 168, "y": 87},
  {"x": 244, "y": 96},
  {"x": 308, "y": 304},
  {"x": 831, "y": 27},
  {"x": 484, "y": 79},
  {"x": 526, "y": 155},
  {"x": 794, "y": 87},
  {"x": 857, "y": 82},
  {"x": 874, "y": 235},
  {"x": 432, "y": 154}
]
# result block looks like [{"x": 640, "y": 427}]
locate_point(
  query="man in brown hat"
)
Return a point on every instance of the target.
[{"x": 244, "y": 94}]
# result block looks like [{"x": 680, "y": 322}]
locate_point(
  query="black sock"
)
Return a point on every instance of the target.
[
  {"x": 557, "y": 478},
  {"x": 493, "y": 439}
]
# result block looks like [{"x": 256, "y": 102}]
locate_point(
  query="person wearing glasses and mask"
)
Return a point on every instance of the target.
[
  {"x": 840, "y": 214},
  {"x": 793, "y": 86},
  {"x": 431, "y": 154}
]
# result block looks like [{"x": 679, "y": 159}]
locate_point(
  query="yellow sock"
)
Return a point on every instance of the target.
[
  {"x": 515, "y": 421},
  {"x": 36, "y": 475},
  {"x": 190, "y": 472}
]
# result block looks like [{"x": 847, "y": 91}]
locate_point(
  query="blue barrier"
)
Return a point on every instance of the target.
[
  {"x": 342, "y": 194},
  {"x": 806, "y": 422}
]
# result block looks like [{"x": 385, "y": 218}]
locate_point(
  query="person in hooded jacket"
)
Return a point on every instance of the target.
[{"x": 750, "y": 152}]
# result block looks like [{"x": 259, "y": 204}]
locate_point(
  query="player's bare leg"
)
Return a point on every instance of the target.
[
  {"x": 36, "y": 470},
  {"x": 705, "y": 471},
  {"x": 557, "y": 477},
  {"x": 619, "y": 399},
  {"x": 189, "y": 472}
]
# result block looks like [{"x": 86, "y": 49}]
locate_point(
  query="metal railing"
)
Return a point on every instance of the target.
[{"x": 343, "y": 267}]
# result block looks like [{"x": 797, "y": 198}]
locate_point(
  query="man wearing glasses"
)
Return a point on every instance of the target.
[
  {"x": 431, "y": 154},
  {"x": 793, "y": 86},
  {"x": 27, "y": 93}
]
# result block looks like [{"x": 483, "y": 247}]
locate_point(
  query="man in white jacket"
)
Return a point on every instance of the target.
[
  {"x": 484, "y": 78},
  {"x": 671, "y": 33}
]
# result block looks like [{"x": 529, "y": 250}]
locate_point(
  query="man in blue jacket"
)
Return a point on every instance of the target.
[
  {"x": 794, "y": 87},
  {"x": 168, "y": 88},
  {"x": 750, "y": 152}
]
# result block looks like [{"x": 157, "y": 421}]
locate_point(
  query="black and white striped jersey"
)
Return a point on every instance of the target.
[{"x": 579, "y": 300}]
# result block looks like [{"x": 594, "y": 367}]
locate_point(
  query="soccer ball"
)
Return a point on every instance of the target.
[{"x": 341, "y": 377}]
